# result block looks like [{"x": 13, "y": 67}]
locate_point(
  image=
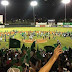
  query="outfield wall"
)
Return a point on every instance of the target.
[
  {"x": 18, "y": 25},
  {"x": 60, "y": 24},
  {"x": 41, "y": 24},
  {"x": 2, "y": 26}
]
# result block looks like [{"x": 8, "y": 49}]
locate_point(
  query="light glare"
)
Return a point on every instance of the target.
[
  {"x": 5, "y": 3},
  {"x": 33, "y": 3},
  {"x": 65, "y": 1}
]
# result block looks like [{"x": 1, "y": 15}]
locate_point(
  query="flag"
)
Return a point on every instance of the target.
[
  {"x": 39, "y": 56},
  {"x": 13, "y": 43},
  {"x": 32, "y": 46},
  {"x": 16, "y": 49},
  {"x": 23, "y": 48},
  {"x": 6, "y": 44},
  {"x": 22, "y": 33},
  {"x": 38, "y": 50},
  {"x": 38, "y": 53},
  {"x": 64, "y": 48},
  {"x": 28, "y": 56},
  {"x": 22, "y": 59},
  {"x": 37, "y": 47},
  {"x": 55, "y": 45}
]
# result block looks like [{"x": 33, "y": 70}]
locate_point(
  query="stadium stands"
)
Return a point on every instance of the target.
[{"x": 30, "y": 59}]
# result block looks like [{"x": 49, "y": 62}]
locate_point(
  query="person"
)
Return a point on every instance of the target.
[
  {"x": 37, "y": 34},
  {"x": 24, "y": 36},
  {"x": 57, "y": 41},
  {"x": 5, "y": 37},
  {"x": 1, "y": 38},
  {"x": 43, "y": 37},
  {"x": 48, "y": 65},
  {"x": 49, "y": 37},
  {"x": 30, "y": 37}
]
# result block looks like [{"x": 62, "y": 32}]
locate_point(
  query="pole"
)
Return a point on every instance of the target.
[
  {"x": 5, "y": 14},
  {"x": 65, "y": 13},
  {"x": 34, "y": 15}
]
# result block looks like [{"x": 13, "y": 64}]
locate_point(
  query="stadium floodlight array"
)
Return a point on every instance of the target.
[
  {"x": 5, "y": 3},
  {"x": 65, "y": 1},
  {"x": 33, "y": 3}
]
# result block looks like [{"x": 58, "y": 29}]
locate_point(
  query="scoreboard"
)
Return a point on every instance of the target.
[
  {"x": 51, "y": 22},
  {"x": 1, "y": 19}
]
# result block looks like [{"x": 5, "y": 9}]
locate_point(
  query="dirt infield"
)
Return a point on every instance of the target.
[{"x": 37, "y": 41}]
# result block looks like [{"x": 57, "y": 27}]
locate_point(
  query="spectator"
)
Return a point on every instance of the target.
[{"x": 48, "y": 65}]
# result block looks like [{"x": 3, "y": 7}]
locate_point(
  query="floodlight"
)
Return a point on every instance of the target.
[
  {"x": 65, "y": 1},
  {"x": 5, "y": 3},
  {"x": 33, "y": 3}
]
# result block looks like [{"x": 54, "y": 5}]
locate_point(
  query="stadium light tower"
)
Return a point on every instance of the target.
[
  {"x": 5, "y": 3},
  {"x": 33, "y": 4},
  {"x": 65, "y": 2}
]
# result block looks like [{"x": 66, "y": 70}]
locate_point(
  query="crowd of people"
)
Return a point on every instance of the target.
[
  {"x": 31, "y": 34},
  {"x": 31, "y": 60}
]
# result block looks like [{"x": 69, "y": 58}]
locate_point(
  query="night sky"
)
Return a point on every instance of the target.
[{"x": 50, "y": 9}]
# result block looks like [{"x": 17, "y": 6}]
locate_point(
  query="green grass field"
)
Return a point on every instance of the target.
[
  {"x": 37, "y": 29},
  {"x": 64, "y": 41}
]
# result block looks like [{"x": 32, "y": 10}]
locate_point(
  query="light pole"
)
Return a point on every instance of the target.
[
  {"x": 65, "y": 2},
  {"x": 33, "y": 4},
  {"x": 5, "y": 3}
]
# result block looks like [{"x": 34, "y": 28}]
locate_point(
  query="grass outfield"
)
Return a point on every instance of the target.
[
  {"x": 38, "y": 29},
  {"x": 64, "y": 41}
]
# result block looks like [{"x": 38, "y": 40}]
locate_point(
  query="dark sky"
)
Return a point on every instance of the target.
[{"x": 46, "y": 8}]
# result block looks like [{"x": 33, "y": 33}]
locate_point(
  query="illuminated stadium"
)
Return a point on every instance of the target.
[{"x": 35, "y": 36}]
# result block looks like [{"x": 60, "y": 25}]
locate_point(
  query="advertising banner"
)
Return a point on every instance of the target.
[
  {"x": 1, "y": 19},
  {"x": 67, "y": 23},
  {"x": 42, "y": 25}
]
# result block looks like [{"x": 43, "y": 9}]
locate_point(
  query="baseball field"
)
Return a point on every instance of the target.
[{"x": 65, "y": 41}]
